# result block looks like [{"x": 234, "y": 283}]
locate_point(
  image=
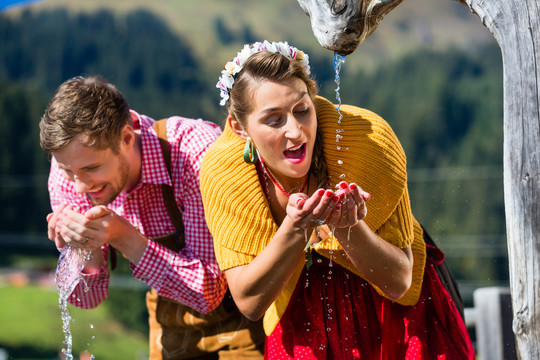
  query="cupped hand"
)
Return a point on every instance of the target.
[
  {"x": 95, "y": 227},
  {"x": 309, "y": 212},
  {"x": 52, "y": 221},
  {"x": 353, "y": 205},
  {"x": 76, "y": 229}
]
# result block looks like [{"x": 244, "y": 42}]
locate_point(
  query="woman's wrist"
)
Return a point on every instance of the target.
[
  {"x": 343, "y": 234},
  {"x": 296, "y": 232}
]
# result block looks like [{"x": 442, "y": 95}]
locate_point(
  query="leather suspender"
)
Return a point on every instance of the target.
[
  {"x": 168, "y": 191},
  {"x": 175, "y": 215}
]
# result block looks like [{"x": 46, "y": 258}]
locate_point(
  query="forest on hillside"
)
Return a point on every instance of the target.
[{"x": 445, "y": 107}]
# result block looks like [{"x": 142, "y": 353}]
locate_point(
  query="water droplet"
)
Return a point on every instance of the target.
[{"x": 340, "y": 162}]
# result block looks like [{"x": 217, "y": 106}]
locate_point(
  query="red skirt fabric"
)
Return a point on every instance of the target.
[{"x": 334, "y": 314}]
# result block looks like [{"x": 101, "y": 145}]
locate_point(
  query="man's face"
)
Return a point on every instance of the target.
[{"x": 100, "y": 174}]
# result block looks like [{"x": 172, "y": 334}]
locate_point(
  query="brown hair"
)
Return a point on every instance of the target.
[
  {"x": 88, "y": 106},
  {"x": 266, "y": 65}
]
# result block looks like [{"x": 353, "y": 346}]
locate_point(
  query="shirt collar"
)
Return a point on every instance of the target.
[{"x": 153, "y": 169}]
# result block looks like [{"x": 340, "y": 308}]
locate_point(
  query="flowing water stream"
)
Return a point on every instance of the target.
[{"x": 67, "y": 276}]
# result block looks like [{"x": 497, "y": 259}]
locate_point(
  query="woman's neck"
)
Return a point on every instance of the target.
[{"x": 286, "y": 186}]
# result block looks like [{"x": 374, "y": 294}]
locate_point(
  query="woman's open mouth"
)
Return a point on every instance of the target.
[{"x": 295, "y": 154}]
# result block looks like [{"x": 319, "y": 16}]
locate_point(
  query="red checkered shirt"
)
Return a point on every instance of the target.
[{"x": 190, "y": 276}]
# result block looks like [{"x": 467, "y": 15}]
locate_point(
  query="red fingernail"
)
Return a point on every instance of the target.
[
  {"x": 366, "y": 196},
  {"x": 353, "y": 186},
  {"x": 335, "y": 198},
  {"x": 343, "y": 185},
  {"x": 320, "y": 192},
  {"x": 329, "y": 193},
  {"x": 298, "y": 201}
]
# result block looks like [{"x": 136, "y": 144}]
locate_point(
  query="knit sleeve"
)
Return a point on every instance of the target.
[{"x": 398, "y": 229}]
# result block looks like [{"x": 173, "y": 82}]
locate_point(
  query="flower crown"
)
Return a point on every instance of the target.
[{"x": 233, "y": 67}]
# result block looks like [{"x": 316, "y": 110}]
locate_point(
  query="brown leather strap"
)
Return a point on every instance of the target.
[{"x": 160, "y": 127}]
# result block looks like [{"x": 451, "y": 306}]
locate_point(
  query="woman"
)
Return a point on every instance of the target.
[{"x": 287, "y": 206}]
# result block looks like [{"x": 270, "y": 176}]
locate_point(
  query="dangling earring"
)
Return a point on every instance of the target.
[{"x": 250, "y": 156}]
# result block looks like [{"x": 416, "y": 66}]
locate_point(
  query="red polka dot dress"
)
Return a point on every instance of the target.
[{"x": 334, "y": 314}]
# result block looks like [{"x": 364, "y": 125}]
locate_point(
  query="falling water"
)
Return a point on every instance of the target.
[
  {"x": 338, "y": 61},
  {"x": 68, "y": 275}
]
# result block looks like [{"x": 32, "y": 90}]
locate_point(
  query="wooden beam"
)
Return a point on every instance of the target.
[{"x": 515, "y": 24}]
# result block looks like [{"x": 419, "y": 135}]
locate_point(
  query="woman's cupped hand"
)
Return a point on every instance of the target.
[{"x": 343, "y": 207}]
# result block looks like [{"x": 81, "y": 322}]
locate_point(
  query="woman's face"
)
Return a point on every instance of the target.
[{"x": 283, "y": 126}]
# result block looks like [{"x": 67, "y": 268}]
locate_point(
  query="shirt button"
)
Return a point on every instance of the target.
[
  {"x": 130, "y": 197},
  {"x": 144, "y": 278}
]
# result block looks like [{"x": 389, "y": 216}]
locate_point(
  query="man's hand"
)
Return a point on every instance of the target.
[
  {"x": 52, "y": 225},
  {"x": 99, "y": 226}
]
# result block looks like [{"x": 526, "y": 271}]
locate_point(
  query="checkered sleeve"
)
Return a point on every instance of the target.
[
  {"x": 192, "y": 276},
  {"x": 90, "y": 292}
]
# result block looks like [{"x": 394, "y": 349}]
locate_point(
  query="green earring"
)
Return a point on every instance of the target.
[{"x": 250, "y": 156}]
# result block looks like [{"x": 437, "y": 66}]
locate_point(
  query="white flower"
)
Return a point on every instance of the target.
[{"x": 233, "y": 67}]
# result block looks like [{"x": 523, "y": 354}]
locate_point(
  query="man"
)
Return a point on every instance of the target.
[{"x": 107, "y": 180}]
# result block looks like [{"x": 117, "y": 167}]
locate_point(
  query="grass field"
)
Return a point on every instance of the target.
[{"x": 31, "y": 328}]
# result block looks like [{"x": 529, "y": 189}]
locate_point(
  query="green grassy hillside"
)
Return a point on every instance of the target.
[
  {"x": 413, "y": 24},
  {"x": 30, "y": 323}
]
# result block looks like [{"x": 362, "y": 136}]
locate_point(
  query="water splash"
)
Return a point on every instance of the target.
[{"x": 67, "y": 276}]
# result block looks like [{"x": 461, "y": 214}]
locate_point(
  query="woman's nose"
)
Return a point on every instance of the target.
[{"x": 294, "y": 128}]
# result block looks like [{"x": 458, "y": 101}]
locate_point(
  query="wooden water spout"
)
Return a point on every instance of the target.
[{"x": 341, "y": 25}]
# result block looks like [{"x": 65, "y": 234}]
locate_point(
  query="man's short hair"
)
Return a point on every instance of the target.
[{"x": 88, "y": 106}]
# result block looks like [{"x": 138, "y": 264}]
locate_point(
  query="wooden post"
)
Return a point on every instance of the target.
[
  {"x": 493, "y": 317},
  {"x": 515, "y": 24}
]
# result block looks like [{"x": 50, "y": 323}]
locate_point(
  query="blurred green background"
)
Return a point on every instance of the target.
[{"x": 430, "y": 69}]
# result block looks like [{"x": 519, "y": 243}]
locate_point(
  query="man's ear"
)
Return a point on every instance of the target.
[
  {"x": 236, "y": 127},
  {"x": 127, "y": 136}
]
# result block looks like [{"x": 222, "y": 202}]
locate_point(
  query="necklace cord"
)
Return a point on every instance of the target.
[{"x": 267, "y": 172}]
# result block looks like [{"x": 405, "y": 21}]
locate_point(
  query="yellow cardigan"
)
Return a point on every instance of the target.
[{"x": 239, "y": 216}]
